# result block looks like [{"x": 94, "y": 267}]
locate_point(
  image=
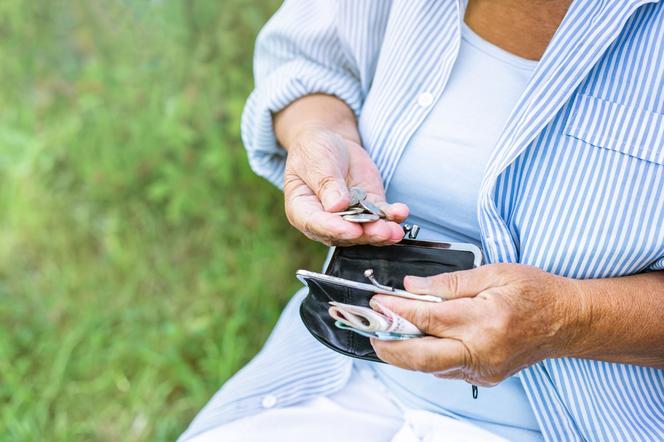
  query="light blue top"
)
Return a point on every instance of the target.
[
  {"x": 573, "y": 185},
  {"x": 440, "y": 171},
  {"x": 439, "y": 176}
]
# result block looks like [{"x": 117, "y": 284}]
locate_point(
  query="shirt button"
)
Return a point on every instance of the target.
[
  {"x": 269, "y": 401},
  {"x": 425, "y": 99}
]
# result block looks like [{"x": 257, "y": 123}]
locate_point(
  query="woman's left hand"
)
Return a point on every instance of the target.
[{"x": 497, "y": 319}]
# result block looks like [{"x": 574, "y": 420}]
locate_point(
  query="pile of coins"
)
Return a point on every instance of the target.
[{"x": 360, "y": 210}]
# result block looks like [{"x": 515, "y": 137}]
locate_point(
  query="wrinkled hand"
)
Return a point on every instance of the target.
[
  {"x": 497, "y": 319},
  {"x": 320, "y": 168}
]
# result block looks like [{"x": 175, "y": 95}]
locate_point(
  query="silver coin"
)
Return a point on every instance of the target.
[
  {"x": 362, "y": 218},
  {"x": 350, "y": 211},
  {"x": 371, "y": 207},
  {"x": 356, "y": 195}
]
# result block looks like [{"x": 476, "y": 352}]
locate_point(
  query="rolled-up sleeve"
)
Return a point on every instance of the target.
[
  {"x": 298, "y": 53},
  {"x": 658, "y": 264}
]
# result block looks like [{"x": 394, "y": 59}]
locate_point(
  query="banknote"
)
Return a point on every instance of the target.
[{"x": 380, "y": 323}]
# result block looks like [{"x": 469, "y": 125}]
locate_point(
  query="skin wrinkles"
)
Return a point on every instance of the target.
[{"x": 501, "y": 318}]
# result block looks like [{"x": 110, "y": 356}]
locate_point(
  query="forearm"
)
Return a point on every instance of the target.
[
  {"x": 619, "y": 320},
  {"x": 317, "y": 112}
]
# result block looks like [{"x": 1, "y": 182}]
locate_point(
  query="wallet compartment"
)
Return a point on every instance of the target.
[{"x": 390, "y": 264}]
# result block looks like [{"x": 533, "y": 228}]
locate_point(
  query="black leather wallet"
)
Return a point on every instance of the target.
[{"x": 345, "y": 281}]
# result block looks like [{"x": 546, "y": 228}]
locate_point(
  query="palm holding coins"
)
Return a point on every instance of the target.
[{"x": 360, "y": 209}]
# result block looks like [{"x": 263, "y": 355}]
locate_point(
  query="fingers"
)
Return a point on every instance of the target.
[
  {"x": 397, "y": 212},
  {"x": 329, "y": 186},
  {"x": 378, "y": 233},
  {"x": 306, "y": 213},
  {"x": 432, "y": 318},
  {"x": 426, "y": 354},
  {"x": 465, "y": 283},
  {"x": 323, "y": 166},
  {"x": 382, "y": 232},
  {"x": 317, "y": 179}
]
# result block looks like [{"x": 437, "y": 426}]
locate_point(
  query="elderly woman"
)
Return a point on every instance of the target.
[{"x": 534, "y": 128}]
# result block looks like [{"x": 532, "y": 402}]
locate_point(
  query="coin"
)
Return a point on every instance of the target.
[
  {"x": 371, "y": 207},
  {"x": 350, "y": 211},
  {"x": 362, "y": 218},
  {"x": 356, "y": 195}
]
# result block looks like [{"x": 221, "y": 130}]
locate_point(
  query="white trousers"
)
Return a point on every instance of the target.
[{"x": 363, "y": 411}]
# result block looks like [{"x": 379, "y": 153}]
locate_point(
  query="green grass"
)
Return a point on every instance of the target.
[{"x": 141, "y": 261}]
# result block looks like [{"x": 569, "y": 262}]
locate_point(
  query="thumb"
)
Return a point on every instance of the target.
[
  {"x": 329, "y": 185},
  {"x": 464, "y": 283},
  {"x": 421, "y": 314}
]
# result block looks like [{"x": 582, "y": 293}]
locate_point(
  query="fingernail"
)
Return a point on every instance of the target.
[{"x": 417, "y": 283}]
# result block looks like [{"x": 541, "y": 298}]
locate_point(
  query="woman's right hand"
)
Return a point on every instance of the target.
[{"x": 321, "y": 166}]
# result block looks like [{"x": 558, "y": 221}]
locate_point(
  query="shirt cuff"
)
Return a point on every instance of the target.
[{"x": 286, "y": 84}]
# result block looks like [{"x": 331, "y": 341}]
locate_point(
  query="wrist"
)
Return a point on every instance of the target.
[
  {"x": 310, "y": 133},
  {"x": 314, "y": 114},
  {"x": 574, "y": 315}
]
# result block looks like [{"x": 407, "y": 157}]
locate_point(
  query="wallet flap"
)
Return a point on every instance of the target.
[
  {"x": 314, "y": 314},
  {"x": 305, "y": 275}
]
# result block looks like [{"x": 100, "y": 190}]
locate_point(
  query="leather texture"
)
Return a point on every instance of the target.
[{"x": 390, "y": 264}]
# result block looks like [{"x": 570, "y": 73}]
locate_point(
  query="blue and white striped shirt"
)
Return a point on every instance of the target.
[{"x": 575, "y": 184}]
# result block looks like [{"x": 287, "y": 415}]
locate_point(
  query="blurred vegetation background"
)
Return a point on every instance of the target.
[{"x": 141, "y": 261}]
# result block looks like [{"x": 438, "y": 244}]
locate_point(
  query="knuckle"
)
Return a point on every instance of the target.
[
  {"x": 501, "y": 323},
  {"x": 493, "y": 270},
  {"x": 421, "y": 362},
  {"x": 426, "y": 317},
  {"x": 465, "y": 356},
  {"x": 501, "y": 272},
  {"x": 325, "y": 181},
  {"x": 494, "y": 379},
  {"x": 450, "y": 281}
]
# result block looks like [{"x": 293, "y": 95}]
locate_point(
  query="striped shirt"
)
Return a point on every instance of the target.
[{"x": 575, "y": 184}]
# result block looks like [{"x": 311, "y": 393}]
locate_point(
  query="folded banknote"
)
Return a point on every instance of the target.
[{"x": 381, "y": 323}]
